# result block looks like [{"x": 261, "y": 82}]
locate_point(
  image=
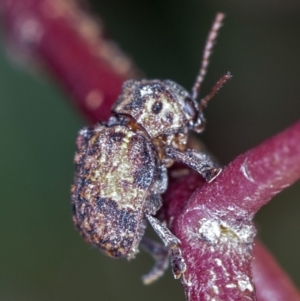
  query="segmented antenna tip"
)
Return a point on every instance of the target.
[{"x": 210, "y": 41}]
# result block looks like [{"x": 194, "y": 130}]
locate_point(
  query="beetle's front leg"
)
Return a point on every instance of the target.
[
  {"x": 172, "y": 243},
  {"x": 197, "y": 160}
]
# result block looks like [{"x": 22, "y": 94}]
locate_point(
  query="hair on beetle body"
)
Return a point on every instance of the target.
[{"x": 121, "y": 165}]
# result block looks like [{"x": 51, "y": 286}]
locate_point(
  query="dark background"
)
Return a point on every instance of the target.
[{"x": 42, "y": 257}]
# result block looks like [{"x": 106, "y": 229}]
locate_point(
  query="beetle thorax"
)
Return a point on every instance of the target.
[{"x": 157, "y": 106}]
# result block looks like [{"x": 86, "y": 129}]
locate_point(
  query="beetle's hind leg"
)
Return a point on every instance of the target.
[
  {"x": 199, "y": 161},
  {"x": 161, "y": 256},
  {"x": 172, "y": 243}
]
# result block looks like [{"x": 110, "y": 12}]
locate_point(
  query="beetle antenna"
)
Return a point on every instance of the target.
[
  {"x": 218, "y": 85},
  {"x": 211, "y": 39}
]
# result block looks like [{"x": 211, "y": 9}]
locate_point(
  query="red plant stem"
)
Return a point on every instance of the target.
[
  {"x": 91, "y": 69},
  {"x": 215, "y": 225},
  {"x": 72, "y": 46},
  {"x": 271, "y": 282},
  {"x": 253, "y": 178}
]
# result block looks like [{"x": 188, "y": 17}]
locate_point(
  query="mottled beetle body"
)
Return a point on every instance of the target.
[
  {"x": 121, "y": 166},
  {"x": 117, "y": 170}
]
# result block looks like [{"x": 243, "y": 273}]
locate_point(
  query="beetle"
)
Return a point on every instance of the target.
[{"x": 121, "y": 165}]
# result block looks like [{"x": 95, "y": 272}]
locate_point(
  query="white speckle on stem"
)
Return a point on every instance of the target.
[
  {"x": 210, "y": 231},
  {"x": 218, "y": 262},
  {"x": 215, "y": 289},
  {"x": 214, "y": 231},
  {"x": 94, "y": 99},
  {"x": 244, "y": 169},
  {"x": 230, "y": 285},
  {"x": 31, "y": 30},
  {"x": 244, "y": 283}
]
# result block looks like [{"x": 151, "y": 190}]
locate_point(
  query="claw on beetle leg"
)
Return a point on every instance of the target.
[{"x": 177, "y": 262}]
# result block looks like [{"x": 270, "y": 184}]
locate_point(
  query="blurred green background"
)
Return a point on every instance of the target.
[{"x": 42, "y": 257}]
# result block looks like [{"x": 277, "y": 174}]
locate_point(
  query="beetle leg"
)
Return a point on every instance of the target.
[
  {"x": 162, "y": 180},
  {"x": 83, "y": 138},
  {"x": 172, "y": 243},
  {"x": 199, "y": 161},
  {"x": 153, "y": 203},
  {"x": 160, "y": 255}
]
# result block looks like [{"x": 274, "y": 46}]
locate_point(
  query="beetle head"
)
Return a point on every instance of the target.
[{"x": 160, "y": 107}]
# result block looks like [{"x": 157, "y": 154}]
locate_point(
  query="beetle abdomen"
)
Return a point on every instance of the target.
[{"x": 114, "y": 176}]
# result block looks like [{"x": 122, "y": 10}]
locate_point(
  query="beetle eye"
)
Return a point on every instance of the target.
[{"x": 189, "y": 107}]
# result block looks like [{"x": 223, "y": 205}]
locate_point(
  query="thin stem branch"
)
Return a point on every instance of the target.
[
  {"x": 271, "y": 281},
  {"x": 73, "y": 47}
]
